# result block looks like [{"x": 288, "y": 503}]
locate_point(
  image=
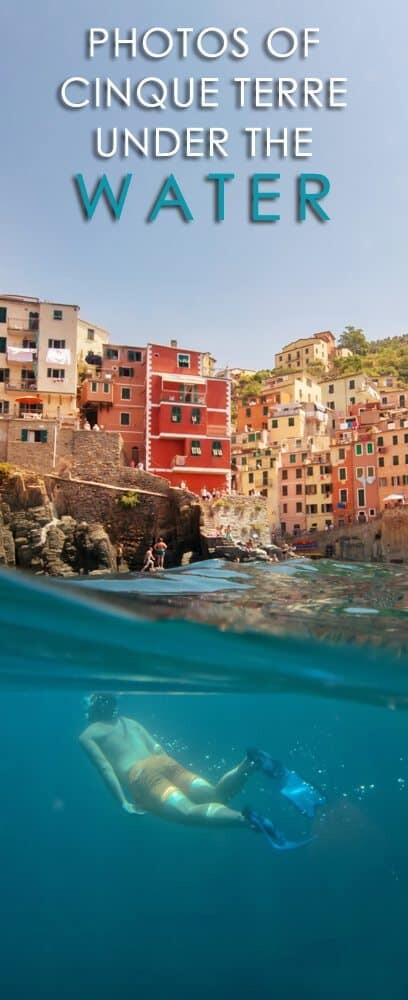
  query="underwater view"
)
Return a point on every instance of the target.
[{"x": 205, "y": 783}]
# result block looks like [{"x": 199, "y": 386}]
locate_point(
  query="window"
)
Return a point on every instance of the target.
[
  {"x": 352, "y": 384},
  {"x": 342, "y": 454},
  {"x": 299, "y": 508},
  {"x": 90, "y": 334},
  {"x": 331, "y": 388},
  {"x": 304, "y": 456},
  {"x": 248, "y": 411},
  {"x": 284, "y": 511},
  {"x": 299, "y": 473},
  {"x": 380, "y": 440},
  {"x": 58, "y": 314},
  {"x": 395, "y": 460},
  {"x": 359, "y": 449},
  {"x": 361, "y": 498},
  {"x": 59, "y": 345},
  {"x": 183, "y": 360},
  {"x": 126, "y": 372},
  {"x": 299, "y": 489},
  {"x": 4, "y": 406},
  {"x": 196, "y": 416},
  {"x": 395, "y": 438},
  {"x": 359, "y": 472},
  {"x": 195, "y": 447},
  {"x": 94, "y": 387},
  {"x": 125, "y": 420},
  {"x": 4, "y": 374},
  {"x": 383, "y": 482},
  {"x": 30, "y": 436},
  {"x": 395, "y": 480},
  {"x": 284, "y": 473},
  {"x": 217, "y": 448},
  {"x": 27, "y": 375},
  {"x": 264, "y": 479},
  {"x": 372, "y": 512},
  {"x": 30, "y": 344},
  {"x": 265, "y": 411},
  {"x": 111, "y": 353},
  {"x": 311, "y": 490},
  {"x": 56, "y": 373},
  {"x": 352, "y": 400},
  {"x": 342, "y": 475},
  {"x": 134, "y": 356},
  {"x": 251, "y": 437},
  {"x": 402, "y": 401},
  {"x": 343, "y": 496},
  {"x": 310, "y": 470},
  {"x": 176, "y": 414},
  {"x": 381, "y": 462},
  {"x": 405, "y": 480},
  {"x": 3, "y": 314},
  {"x": 370, "y": 448},
  {"x": 405, "y": 438},
  {"x": 291, "y": 421},
  {"x": 311, "y": 508},
  {"x": 3, "y": 344},
  {"x": 124, "y": 392},
  {"x": 292, "y": 458},
  {"x": 284, "y": 491},
  {"x": 406, "y": 459},
  {"x": 243, "y": 461},
  {"x": 275, "y": 423},
  {"x": 106, "y": 387},
  {"x": 250, "y": 477}
]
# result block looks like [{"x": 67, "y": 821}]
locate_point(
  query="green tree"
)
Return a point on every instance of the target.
[{"x": 354, "y": 340}]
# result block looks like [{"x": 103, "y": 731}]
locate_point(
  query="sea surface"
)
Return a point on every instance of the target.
[{"x": 305, "y": 660}]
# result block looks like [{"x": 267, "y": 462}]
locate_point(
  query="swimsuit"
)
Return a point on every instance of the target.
[{"x": 154, "y": 779}]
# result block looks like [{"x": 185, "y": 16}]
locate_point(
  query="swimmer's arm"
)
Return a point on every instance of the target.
[{"x": 98, "y": 758}]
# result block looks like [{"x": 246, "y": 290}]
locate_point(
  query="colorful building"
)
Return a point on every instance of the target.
[
  {"x": 174, "y": 418},
  {"x": 38, "y": 358},
  {"x": 307, "y": 350}
]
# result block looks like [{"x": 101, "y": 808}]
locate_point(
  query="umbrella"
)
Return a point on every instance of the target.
[{"x": 28, "y": 399}]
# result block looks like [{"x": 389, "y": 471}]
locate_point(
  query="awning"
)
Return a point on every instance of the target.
[
  {"x": 28, "y": 399},
  {"x": 395, "y": 496}
]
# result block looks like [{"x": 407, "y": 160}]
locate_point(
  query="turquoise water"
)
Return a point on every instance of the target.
[{"x": 305, "y": 660}]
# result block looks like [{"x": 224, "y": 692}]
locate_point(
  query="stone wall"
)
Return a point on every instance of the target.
[
  {"x": 245, "y": 516},
  {"x": 382, "y": 539}
]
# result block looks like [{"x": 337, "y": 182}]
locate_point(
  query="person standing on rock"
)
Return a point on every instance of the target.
[
  {"x": 160, "y": 552},
  {"x": 119, "y": 555}
]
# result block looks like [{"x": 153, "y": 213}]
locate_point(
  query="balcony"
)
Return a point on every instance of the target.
[
  {"x": 19, "y": 386},
  {"x": 23, "y": 325},
  {"x": 177, "y": 396}
]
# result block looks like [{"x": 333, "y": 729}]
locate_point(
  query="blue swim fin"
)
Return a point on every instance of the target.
[
  {"x": 304, "y": 796},
  {"x": 275, "y": 838}
]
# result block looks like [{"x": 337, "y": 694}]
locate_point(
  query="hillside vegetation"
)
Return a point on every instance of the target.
[{"x": 388, "y": 356}]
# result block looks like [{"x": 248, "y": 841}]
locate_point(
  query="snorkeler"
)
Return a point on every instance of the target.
[{"x": 143, "y": 778}]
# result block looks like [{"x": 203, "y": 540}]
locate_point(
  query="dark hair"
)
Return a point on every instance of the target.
[{"x": 102, "y": 708}]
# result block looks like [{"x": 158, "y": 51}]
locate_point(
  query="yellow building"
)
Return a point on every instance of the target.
[
  {"x": 91, "y": 339},
  {"x": 341, "y": 392},
  {"x": 307, "y": 350}
]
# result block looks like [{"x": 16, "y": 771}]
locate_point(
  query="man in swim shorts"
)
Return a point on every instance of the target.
[{"x": 143, "y": 778}]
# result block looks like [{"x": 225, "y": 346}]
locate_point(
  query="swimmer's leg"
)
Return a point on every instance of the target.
[
  {"x": 200, "y": 790},
  {"x": 234, "y": 781},
  {"x": 176, "y": 807}
]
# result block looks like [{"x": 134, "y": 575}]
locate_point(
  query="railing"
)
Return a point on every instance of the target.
[
  {"x": 18, "y": 386},
  {"x": 23, "y": 324},
  {"x": 174, "y": 396}
]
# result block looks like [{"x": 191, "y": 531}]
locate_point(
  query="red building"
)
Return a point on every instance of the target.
[{"x": 173, "y": 417}]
